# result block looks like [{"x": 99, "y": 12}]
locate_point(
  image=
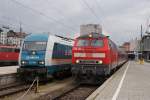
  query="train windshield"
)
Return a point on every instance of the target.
[
  {"x": 83, "y": 43},
  {"x": 34, "y": 45},
  {"x": 93, "y": 42},
  {"x": 97, "y": 43}
]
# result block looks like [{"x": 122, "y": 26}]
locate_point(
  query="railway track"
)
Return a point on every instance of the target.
[
  {"x": 80, "y": 92},
  {"x": 4, "y": 87},
  {"x": 12, "y": 89}
]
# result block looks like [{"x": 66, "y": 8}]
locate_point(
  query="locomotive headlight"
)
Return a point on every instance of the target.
[
  {"x": 33, "y": 52},
  {"x": 41, "y": 62},
  {"x": 23, "y": 62},
  {"x": 100, "y": 62},
  {"x": 77, "y": 61}
]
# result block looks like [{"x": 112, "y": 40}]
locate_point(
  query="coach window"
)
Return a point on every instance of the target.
[
  {"x": 17, "y": 50},
  {"x": 110, "y": 44},
  {"x": 61, "y": 51},
  {"x": 5, "y": 49},
  {"x": 0, "y": 49},
  {"x": 58, "y": 51},
  {"x": 70, "y": 51}
]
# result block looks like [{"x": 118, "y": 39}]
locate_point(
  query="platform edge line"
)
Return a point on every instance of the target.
[
  {"x": 115, "y": 96},
  {"x": 96, "y": 93}
]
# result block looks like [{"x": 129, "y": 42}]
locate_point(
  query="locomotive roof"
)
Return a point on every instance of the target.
[
  {"x": 94, "y": 35},
  {"x": 35, "y": 37},
  {"x": 44, "y": 37}
]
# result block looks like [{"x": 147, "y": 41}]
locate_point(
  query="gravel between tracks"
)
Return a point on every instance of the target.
[
  {"x": 79, "y": 93},
  {"x": 13, "y": 89}
]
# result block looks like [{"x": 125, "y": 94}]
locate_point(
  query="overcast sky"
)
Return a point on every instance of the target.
[{"x": 121, "y": 19}]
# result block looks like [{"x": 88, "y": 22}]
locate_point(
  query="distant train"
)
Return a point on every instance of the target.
[
  {"x": 95, "y": 56},
  {"x": 8, "y": 55},
  {"x": 45, "y": 56}
]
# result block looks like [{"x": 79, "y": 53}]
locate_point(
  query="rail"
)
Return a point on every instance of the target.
[
  {"x": 78, "y": 93},
  {"x": 18, "y": 87},
  {"x": 7, "y": 79}
]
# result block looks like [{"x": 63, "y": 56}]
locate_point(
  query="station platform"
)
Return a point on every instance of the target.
[
  {"x": 8, "y": 70},
  {"x": 130, "y": 82}
]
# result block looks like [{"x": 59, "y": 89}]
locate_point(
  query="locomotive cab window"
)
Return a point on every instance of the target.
[
  {"x": 93, "y": 42},
  {"x": 97, "y": 43},
  {"x": 35, "y": 45},
  {"x": 82, "y": 43}
]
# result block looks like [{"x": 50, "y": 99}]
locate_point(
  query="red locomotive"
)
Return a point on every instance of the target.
[
  {"x": 8, "y": 55},
  {"x": 93, "y": 56}
]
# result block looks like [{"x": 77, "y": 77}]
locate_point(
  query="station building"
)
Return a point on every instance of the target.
[
  {"x": 146, "y": 47},
  {"x": 9, "y": 37},
  {"x": 133, "y": 49}
]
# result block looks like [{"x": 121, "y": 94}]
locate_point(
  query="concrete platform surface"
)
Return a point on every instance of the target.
[
  {"x": 8, "y": 69},
  {"x": 131, "y": 82}
]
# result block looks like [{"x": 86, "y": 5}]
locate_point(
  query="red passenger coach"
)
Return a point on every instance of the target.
[
  {"x": 8, "y": 55},
  {"x": 93, "y": 56}
]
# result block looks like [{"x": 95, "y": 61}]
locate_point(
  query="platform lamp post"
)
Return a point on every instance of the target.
[{"x": 141, "y": 51}]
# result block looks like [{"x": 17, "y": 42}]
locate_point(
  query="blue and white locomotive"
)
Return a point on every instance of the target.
[{"x": 45, "y": 56}]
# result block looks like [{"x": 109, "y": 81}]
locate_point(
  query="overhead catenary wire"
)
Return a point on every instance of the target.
[
  {"x": 91, "y": 10},
  {"x": 41, "y": 13},
  {"x": 96, "y": 1},
  {"x": 102, "y": 22},
  {"x": 59, "y": 11},
  {"x": 17, "y": 21},
  {"x": 102, "y": 12},
  {"x": 99, "y": 6},
  {"x": 44, "y": 15}
]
